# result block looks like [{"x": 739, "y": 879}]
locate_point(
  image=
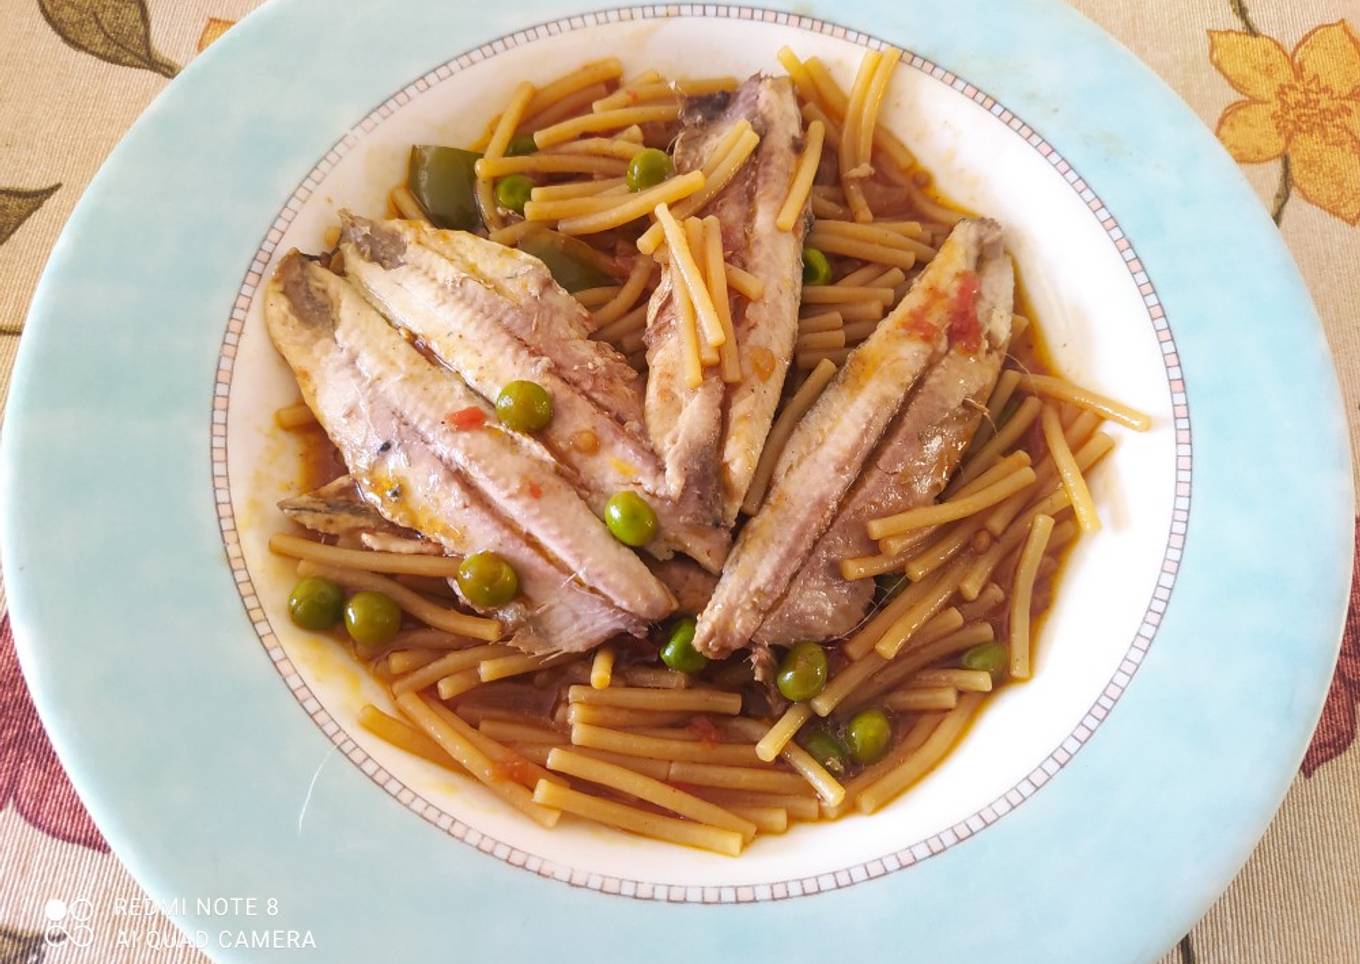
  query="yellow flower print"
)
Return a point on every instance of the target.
[
  {"x": 1304, "y": 108},
  {"x": 213, "y": 28}
]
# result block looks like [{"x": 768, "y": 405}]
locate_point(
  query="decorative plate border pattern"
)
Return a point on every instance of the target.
[{"x": 645, "y": 890}]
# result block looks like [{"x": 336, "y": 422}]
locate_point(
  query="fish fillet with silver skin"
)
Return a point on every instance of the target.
[
  {"x": 382, "y": 404},
  {"x": 711, "y": 436},
  {"x": 910, "y": 468},
  {"x": 494, "y": 315},
  {"x": 831, "y": 445}
]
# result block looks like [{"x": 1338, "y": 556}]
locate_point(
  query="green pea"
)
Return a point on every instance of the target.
[
  {"x": 487, "y": 580},
  {"x": 868, "y": 736},
  {"x": 827, "y": 749},
  {"x": 520, "y": 145},
  {"x": 889, "y": 585},
  {"x": 991, "y": 658},
  {"x": 648, "y": 168},
  {"x": 316, "y": 603},
  {"x": 524, "y": 406},
  {"x": 802, "y": 673},
  {"x": 816, "y": 269},
  {"x": 512, "y": 192},
  {"x": 372, "y": 619},
  {"x": 630, "y": 519},
  {"x": 679, "y": 652}
]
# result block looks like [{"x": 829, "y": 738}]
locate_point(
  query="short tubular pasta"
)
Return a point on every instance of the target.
[
  {"x": 364, "y": 559},
  {"x": 616, "y": 716},
  {"x": 820, "y": 340},
  {"x": 511, "y": 765},
  {"x": 538, "y": 754},
  {"x": 1077, "y": 434},
  {"x": 510, "y": 732},
  {"x": 514, "y": 664},
  {"x": 627, "y": 296},
  {"x": 823, "y": 783},
  {"x": 864, "y": 250},
  {"x": 583, "y": 78},
  {"x": 738, "y": 778},
  {"x": 633, "y": 744},
  {"x": 801, "y": 186},
  {"x": 778, "y": 735},
  {"x": 630, "y": 323},
  {"x": 403, "y": 735},
  {"x": 922, "y": 611},
  {"x": 639, "y": 92},
  {"x": 607, "y": 120},
  {"x": 637, "y": 821},
  {"x": 489, "y": 167},
  {"x": 838, "y": 293},
  {"x": 1006, "y": 436},
  {"x": 472, "y": 758},
  {"x": 744, "y": 283},
  {"x": 620, "y": 147},
  {"x": 405, "y": 660},
  {"x": 959, "y": 508},
  {"x": 770, "y": 820},
  {"x": 845, "y": 682},
  {"x": 689, "y": 274},
  {"x": 576, "y": 189},
  {"x": 1077, "y": 492},
  {"x": 969, "y": 680},
  {"x": 646, "y": 788},
  {"x": 631, "y": 207},
  {"x": 917, "y": 699},
  {"x": 919, "y": 657},
  {"x": 602, "y": 668},
  {"x": 827, "y": 787},
  {"x": 712, "y": 332},
  {"x": 695, "y": 700},
  {"x": 460, "y": 659},
  {"x": 1085, "y": 398},
  {"x": 594, "y": 297},
  {"x": 652, "y": 677},
  {"x": 852, "y": 164},
  {"x": 715, "y": 276},
  {"x": 827, "y": 321},
  {"x": 885, "y": 234},
  {"x": 496, "y": 146},
  {"x": 1025, "y": 572},
  {"x": 796, "y": 806}
]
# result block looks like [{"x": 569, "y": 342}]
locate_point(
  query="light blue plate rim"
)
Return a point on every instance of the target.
[{"x": 197, "y": 788}]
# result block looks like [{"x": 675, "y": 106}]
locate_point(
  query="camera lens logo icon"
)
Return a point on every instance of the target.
[{"x": 68, "y": 922}]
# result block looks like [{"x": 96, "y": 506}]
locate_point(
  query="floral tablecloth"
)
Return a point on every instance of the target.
[{"x": 1277, "y": 80}]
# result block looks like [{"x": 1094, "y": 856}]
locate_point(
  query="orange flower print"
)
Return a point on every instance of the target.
[
  {"x": 1302, "y": 108},
  {"x": 213, "y": 28}
]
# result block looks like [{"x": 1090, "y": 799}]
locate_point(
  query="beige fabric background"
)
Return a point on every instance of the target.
[{"x": 62, "y": 110}]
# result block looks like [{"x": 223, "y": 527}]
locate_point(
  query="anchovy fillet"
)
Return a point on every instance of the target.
[
  {"x": 829, "y": 447},
  {"x": 474, "y": 328},
  {"x": 379, "y": 401}
]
